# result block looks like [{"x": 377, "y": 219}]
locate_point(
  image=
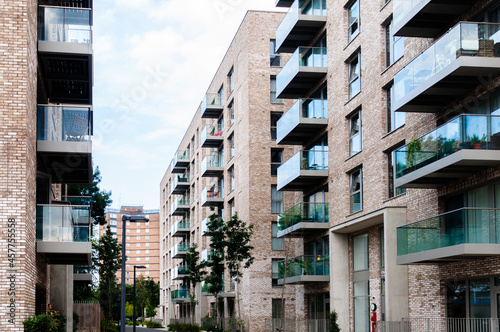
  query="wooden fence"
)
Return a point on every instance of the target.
[{"x": 90, "y": 316}]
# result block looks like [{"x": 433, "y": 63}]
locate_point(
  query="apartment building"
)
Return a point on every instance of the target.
[
  {"x": 228, "y": 159},
  {"x": 45, "y": 138},
  {"x": 388, "y": 174},
  {"x": 142, "y": 241},
  {"x": 412, "y": 161}
]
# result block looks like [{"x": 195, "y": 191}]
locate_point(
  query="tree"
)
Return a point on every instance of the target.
[
  {"x": 150, "y": 309},
  {"x": 129, "y": 310},
  {"x": 215, "y": 279},
  {"x": 147, "y": 289},
  {"x": 108, "y": 263},
  {"x": 100, "y": 198},
  {"x": 196, "y": 274},
  {"x": 238, "y": 252}
]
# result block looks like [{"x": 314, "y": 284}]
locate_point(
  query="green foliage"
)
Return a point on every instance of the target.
[
  {"x": 109, "y": 327},
  {"x": 196, "y": 273},
  {"x": 153, "y": 325},
  {"x": 238, "y": 248},
  {"x": 179, "y": 327},
  {"x": 147, "y": 289},
  {"x": 52, "y": 321},
  {"x": 411, "y": 150},
  {"x": 109, "y": 262},
  {"x": 150, "y": 309},
  {"x": 76, "y": 320},
  {"x": 215, "y": 278},
  {"x": 100, "y": 198},
  {"x": 129, "y": 310},
  {"x": 333, "y": 326}
]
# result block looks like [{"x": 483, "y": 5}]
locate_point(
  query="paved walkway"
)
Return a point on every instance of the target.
[{"x": 143, "y": 329}]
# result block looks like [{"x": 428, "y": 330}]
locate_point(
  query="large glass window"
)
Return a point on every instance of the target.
[
  {"x": 230, "y": 80},
  {"x": 360, "y": 252},
  {"x": 354, "y": 75},
  {"x": 394, "y": 46},
  {"x": 356, "y": 191},
  {"x": 361, "y": 306},
  {"x": 394, "y": 119},
  {"x": 275, "y": 56},
  {"x": 353, "y": 20},
  {"x": 276, "y": 160},
  {"x": 276, "y": 200},
  {"x": 355, "y": 140},
  {"x": 275, "y": 272},
  {"x": 393, "y": 191},
  {"x": 231, "y": 113},
  {"x": 277, "y": 243},
  {"x": 275, "y": 116},
  {"x": 274, "y": 98}
]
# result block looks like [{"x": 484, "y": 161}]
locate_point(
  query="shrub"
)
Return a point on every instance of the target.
[
  {"x": 52, "y": 321},
  {"x": 333, "y": 326},
  {"x": 76, "y": 320},
  {"x": 183, "y": 327},
  {"x": 109, "y": 327},
  {"x": 152, "y": 325}
]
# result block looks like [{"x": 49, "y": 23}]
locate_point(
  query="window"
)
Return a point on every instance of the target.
[
  {"x": 147, "y": 258},
  {"x": 138, "y": 223},
  {"x": 276, "y": 160},
  {"x": 356, "y": 190},
  {"x": 138, "y": 237},
  {"x": 394, "y": 46},
  {"x": 394, "y": 119},
  {"x": 138, "y": 244},
  {"x": 128, "y": 237},
  {"x": 276, "y": 200},
  {"x": 147, "y": 230},
  {"x": 221, "y": 95},
  {"x": 355, "y": 75},
  {"x": 277, "y": 243},
  {"x": 275, "y": 56},
  {"x": 138, "y": 259},
  {"x": 361, "y": 287},
  {"x": 353, "y": 20},
  {"x": 231, "y": 146},
  {"x": 128, "y": 252},
  {"x": 355, "y": 139},
  {"x": 147, "y": 244},
  {"x": 274, "y": 98},
  {"x": 138, "y": 230},
  {"x": 275, "y": 272},
  {"x": 393, "y": 192},
  {"x": 147, "y": 237},
  {"x": 275, "y": 116},
  {"x": 231, "y": 113},
  {"x": 277, "y": 310},
  {"x": 230, "y": 80},
  {"x": 147, "y": 251},
  {"x": 231, "y": 178},
  {"x": 360, "y": 252},
  {"x": 232, "y": 207},
  {"x": 138, "y": 252}
]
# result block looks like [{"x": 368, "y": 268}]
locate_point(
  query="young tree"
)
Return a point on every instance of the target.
[
  {"x": 108, "y": 263},
  {"x": 238, "y": 252},
  {"x": 150, "y": 309},
  {"x": 196, "y": 275},
  {"x": 215, "y": 279}
]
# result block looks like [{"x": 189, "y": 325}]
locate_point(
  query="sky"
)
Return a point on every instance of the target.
[{"x": 153, "y": 63}]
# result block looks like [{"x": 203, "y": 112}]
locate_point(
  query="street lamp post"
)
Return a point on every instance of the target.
[
  {"x": 124, "y": 219},
  {"x": 136, "y": 267}
]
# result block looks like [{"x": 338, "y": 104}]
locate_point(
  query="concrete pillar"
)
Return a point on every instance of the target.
[
  {"x": 61, "y": 292},
  {"x": 396, "y": 276},
  {"x": 339, "y": 278}
]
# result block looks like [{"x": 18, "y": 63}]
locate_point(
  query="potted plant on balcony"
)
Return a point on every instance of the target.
[{"x": 476, "y": 141}]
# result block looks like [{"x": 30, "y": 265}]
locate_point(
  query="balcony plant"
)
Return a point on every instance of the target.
[
  {"x": 411, "y": 152},
  {"x": 476, "y": 141}
]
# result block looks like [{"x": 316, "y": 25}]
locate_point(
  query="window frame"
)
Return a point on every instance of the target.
[
  {"x": 273, "y": 93},
  {"x": 354, "y": 74},
  {"x": 274, "y": 200},
  {"x": 358, "y": 135},
  {"x": 351, "y": 22},
  {"x": 275, "y": 164},
  {"x": 353, "y": 193}
]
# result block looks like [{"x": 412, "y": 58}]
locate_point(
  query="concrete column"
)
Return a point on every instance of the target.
[
  {"x": 61, "y": 292},
  {"x": 339, "y": 278},
  {"x": 396, "y": 276}
]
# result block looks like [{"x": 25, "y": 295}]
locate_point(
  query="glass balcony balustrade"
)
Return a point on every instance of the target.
[
  {"x": 179, "y": 272},
  {"x": 180, "y": 161},
  {"x": 463, "y": 40},
  {"x": 463, "y": 226},
  {"x": 64, "y": 124},
  {"x": 82, "y": 269},
  {"x": 180, "y": 249},
  {"x": 304, "y": 165},
  {"x": 307, "y": 10},
  {"x": 310, "y": 61},
  {"x": 212, "y": 135},
  {"x": 64, "y": 25},
  {"x": 303, "y": 212},
  {"x": 180, "y": 184},
  {"x": 318, "y": 265},
  {"x": 180, "y": 294},
  {"x": 463, "y": 132},
  {"x": 79, "y": 200},
  {"x": 212, "y": 105},
  {"x": 180, "y": 203},
  {"x": 180, "y": 179},
  {"x": 180, "y": 227},
  {"x": 60, "y": 223},
  {"x": 302, "y": 120},
  {"x": 212, "y": 195},
  {"x": 212, "y": 165}
]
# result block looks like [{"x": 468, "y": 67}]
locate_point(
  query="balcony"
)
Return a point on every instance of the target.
[
  {"x": 82, "y": 274},
  {"x": 212, "y": 106},
  {"x": 180, "y": 272},
  {"x": 224, "y": 293},
  {"x": 180, "y": 206},
  {"x": 61, "y": 239},
  {"x": 284, "y": 3},
  {"x": 181, "y": 228},
  {"x": 212, "y": 165},
  {"x": 306, "y": 68},
  {"x": 64, "y": 143},
  {"x": 303, "y": 219},
  {"x": 468, "y": 233},
  {"x": 304, "y": 270},
  {"x": 427, "y": 18},
  {"x": 206, "y": 255},
  {"x": 459, "y": 148},
  {"x": 180, "y": 250},
  {"x": 65, "y": 54},
  {"x": 306, "y": 168},
  {"x": 82, "y": 216},
  {"x": 301, "y": 24},
  {"x": 181, "y": 296},
  {"x": 452, "y": 67},
  {"x": 180, "y": 161},
  {"x": 204, "y": 228},
  {"x": 212, "y": 196},
  {"x": 304, "y": 119},
  {"x": 180, "y": 184},
  {"x": 212, "y": 136}
]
